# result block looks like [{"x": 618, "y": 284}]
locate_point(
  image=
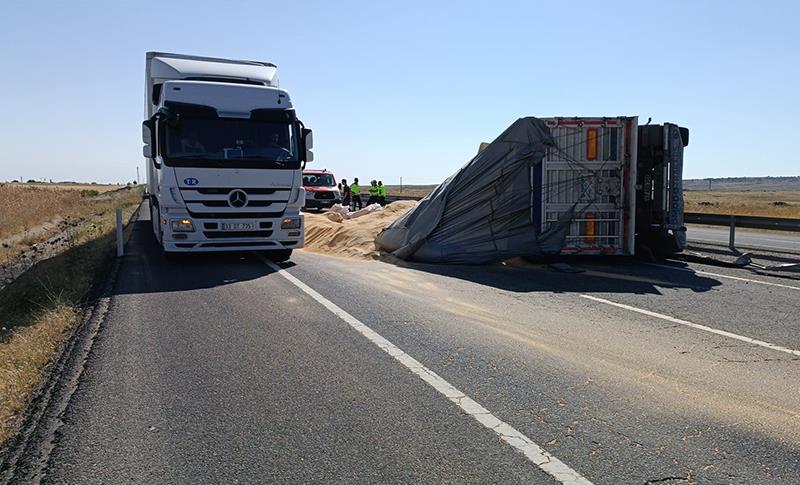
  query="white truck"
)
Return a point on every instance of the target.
[{"x": 225, "y": 153}]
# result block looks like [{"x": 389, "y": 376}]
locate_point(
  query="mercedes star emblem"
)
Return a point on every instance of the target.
[{"x": 237, "y": 198}]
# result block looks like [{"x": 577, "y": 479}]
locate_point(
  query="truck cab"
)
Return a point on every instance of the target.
[
  {"x": 321, "y": 189},
  {"x": 225, "y": 152}
]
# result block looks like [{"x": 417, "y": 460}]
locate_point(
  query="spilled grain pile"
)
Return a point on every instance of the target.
[{"x": 352, "y": 238}]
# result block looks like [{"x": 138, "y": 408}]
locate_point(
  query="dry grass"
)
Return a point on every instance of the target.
[
  {"x": 100, "y": 188},
  {"x": 22, "y": 358},
  {"x": 24, "y": 208},
  {"x": 46, "y": 303},
  {"x": 765, "y": 204}
]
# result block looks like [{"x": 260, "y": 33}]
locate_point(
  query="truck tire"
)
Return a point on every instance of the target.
[
  {"x": 278, "y": 255},
  {"x": 155, "y": 223}
]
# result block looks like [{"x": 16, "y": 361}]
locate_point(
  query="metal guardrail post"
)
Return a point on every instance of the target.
[
  {"x": 120, "y": 247},
  {"x": 732, "y": 240}
]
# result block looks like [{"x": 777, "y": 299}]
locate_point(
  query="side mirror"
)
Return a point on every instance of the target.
[
  {"x": 308, "y": 143},
  {"x": 308, "y": 138},
  {"x": 684, "y": 135},
  {"x": 148, "y": 138}
]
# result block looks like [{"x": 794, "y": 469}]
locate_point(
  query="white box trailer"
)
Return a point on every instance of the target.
[
  {"x": 225, "y": 152},
  {"x": 592, "y": 168},
  {"x": 625, "y": 189}
]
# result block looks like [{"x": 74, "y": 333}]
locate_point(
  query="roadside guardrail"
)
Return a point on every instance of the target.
[{"x": 734, "y": 221}]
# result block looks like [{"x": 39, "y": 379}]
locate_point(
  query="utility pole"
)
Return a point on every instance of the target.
[
  {"x": 137, "y": 175},
  {"x": 401, "y": 185}
]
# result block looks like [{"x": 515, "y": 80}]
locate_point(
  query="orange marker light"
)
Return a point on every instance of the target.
[
  {"x": 590, "y": 227},
  {"x": 591, "y": 144}
]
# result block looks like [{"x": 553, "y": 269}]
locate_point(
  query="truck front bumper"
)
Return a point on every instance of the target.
[{"x": 267, "y": 234}]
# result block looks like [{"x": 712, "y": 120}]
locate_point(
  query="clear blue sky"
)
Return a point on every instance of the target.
[{"x": 409, "y": 88}]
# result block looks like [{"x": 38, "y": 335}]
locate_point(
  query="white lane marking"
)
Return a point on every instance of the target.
[
  {"x": 724, "y": 276},
  {"x": 695, "y": 325},
  {"x": 533, "y": 452}
]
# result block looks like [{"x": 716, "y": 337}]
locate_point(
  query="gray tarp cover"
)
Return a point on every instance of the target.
[{"x": 482, "y": 213}]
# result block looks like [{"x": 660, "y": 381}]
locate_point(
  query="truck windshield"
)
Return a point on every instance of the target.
[
  {"x": 231, "y": 142},
  {"x": 318, "y": 180}
]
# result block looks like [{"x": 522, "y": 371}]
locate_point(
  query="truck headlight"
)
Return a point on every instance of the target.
[
  {"x": 181, "y": 225},
  {"x": 290, "y": 223}
]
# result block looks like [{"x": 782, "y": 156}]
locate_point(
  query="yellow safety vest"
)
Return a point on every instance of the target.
[{"x": 355, "y": 188}]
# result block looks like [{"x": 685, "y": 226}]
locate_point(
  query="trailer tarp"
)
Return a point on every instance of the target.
[{"x": 486, "y": 211}]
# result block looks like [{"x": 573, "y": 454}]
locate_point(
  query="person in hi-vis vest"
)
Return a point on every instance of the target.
[{"x": 355, "y": 192}]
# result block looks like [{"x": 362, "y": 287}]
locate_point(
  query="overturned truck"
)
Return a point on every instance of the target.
[{"x": 548, "y": 186}]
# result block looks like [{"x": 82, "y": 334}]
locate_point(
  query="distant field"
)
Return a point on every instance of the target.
[
  {"x": 746, "y": 203},
  {"x": 740, "y": 184},
  {"x": 411, "y": 190},
  {"x": 67, "y": 186}
]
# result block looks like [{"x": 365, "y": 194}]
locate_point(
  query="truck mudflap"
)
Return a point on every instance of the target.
[{"x": 675, "y": 220}]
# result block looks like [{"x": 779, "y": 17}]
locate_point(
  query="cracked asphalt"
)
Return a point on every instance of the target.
[{"x": 216, "y": 369}]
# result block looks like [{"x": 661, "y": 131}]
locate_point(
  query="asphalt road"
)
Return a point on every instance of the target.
[
  {"x": 217, "y": 369},
  {"x": 745, "y": 238}
]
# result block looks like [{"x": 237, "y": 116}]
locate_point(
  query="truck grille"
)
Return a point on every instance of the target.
[
  {"x": 324, "y": 195},
  {"x": 235, "y": 215},
  {"x": 224, "y": 203},
  {"x": 216, "y": 202},
  {"x": 225, "y": 191}
]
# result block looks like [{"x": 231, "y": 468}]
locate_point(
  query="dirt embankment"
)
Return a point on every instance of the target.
[
  {"x": 45, "y": 282},
  {"x": 352, "y": 238},
  {"x": 12, "y": 265}
]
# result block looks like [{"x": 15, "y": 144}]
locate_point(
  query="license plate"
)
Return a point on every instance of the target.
[{"x": 236, "y": 226}]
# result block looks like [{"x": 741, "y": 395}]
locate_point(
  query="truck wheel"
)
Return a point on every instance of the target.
[
  {"x": 156, "y": 223},
  {"x": 279, "y": 256}
]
